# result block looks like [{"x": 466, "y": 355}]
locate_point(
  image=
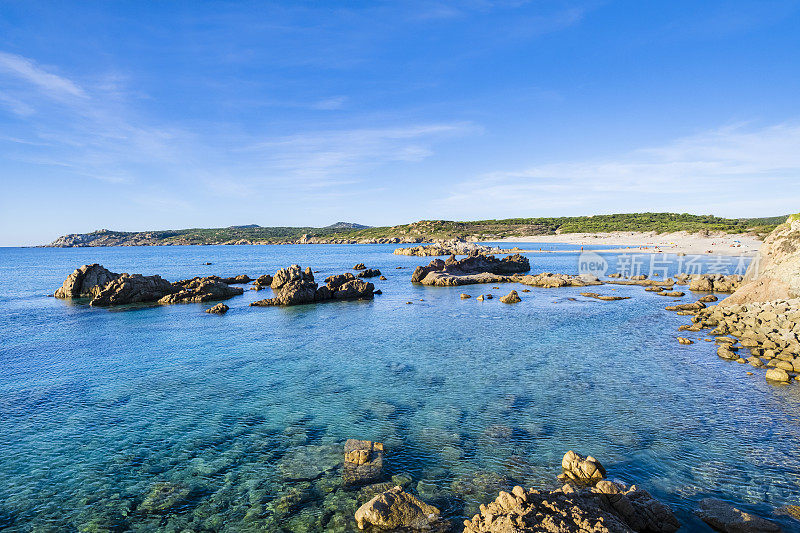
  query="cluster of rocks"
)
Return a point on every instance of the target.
[
  {"x": 470, "y": 270},
  {"x": 295, "y": 286},
  {"x": 759, "y": 323},
  {"x": 453, "y": 247},
  {"x": 769, "y": 331},
  {"x": 710, "y": 282},
  {"x": 105, "y": 288},
  {"x": 587, "y": 503}
]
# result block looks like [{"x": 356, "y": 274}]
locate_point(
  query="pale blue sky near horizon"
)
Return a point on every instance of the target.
[{"x": 162, "y": 115}]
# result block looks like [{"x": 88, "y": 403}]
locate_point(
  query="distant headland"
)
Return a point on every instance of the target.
[{"x": 426, "y": 230}]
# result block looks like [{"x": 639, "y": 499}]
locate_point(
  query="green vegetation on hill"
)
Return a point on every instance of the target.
[{"x": 426, "y": 230}]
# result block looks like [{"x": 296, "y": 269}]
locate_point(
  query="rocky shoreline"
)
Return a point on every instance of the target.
[{"x": 453, "y": 247}]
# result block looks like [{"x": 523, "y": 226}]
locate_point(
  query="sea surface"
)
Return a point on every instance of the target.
[{"x": 166, "y": 418}]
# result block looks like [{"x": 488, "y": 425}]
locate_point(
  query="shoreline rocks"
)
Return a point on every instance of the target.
[
  {"x": 607, "y": 508},
  {"x": 452, "y": 247}
]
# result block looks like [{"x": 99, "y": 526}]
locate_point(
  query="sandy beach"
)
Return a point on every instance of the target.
[{"x": 651, "y": 242}]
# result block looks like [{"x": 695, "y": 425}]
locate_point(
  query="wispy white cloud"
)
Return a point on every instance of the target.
[
  {"x": 731, "y": 166},
  {"x": 330, "y": 104},
  {"x": 328, "y": 154},
  {"x": 28, "y": 70}
]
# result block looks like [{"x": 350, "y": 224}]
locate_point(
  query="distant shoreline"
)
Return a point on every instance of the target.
[{"x": 652, "y": 242}]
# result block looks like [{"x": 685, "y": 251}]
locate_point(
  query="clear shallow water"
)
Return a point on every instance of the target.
[{"x": 97, "y": 406}]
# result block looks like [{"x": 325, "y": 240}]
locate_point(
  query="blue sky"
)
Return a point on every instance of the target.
[{"x": 155, "y": 115}]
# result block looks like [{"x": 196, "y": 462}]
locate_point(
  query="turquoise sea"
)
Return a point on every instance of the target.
[{"x": 243, "y": 416}]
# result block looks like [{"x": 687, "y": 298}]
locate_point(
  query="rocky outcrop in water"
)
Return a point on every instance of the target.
[
  {"x": 132, "y": 288},
  {"x": 369, "y": 273},
  {"x": 219, "y": 309},
  {"x": 511, "y": 298},
  {"x": 452, "y": 247},
  {"x": 106, "y": 288},
  {"x": 363, "y": 462},
  {"x": 241, "y": 279},
  {"x": 581, "y": 470},
  {"x": 295, "y": 286},
  {"x": 85, "y": 282},
  {"x": 196, "y": 290},
  {"x": 396, "y": 509},
  {"x": 714, "y": 282},
  {"x": 472, "y": 269},
  {"x": 605, "y": 508}
]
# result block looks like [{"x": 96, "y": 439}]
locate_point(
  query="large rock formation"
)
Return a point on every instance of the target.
[
  {"x": 133, "y": 288},
  {"x": 396, "y": 509},
  {"x": 472, "y": 269},
  {"x": 85, "y": 282},
  {"x": 775, "y": 272},
  {"x": 294, "y": 286},
  {"x": 605, "y": 508},
  {"x": 106, "y": 288}
]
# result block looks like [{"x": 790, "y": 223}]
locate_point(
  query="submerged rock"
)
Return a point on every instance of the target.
[
  {"x": 85, "y": 282},
  {"x": 363, "y": 462},
  {"x": 724, "y": 517},
  {"x": 307, "y": 463},
  {"x": 397, "y": 509},
  {"x": 164, "y": 496},
  {"x": 604, "y": 298}
]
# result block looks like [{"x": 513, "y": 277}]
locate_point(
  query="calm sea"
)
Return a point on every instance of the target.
[{"x": 242, "y": 416}]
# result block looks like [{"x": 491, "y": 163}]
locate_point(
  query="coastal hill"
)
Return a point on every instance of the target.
[{"x": 425, "y": 230}]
